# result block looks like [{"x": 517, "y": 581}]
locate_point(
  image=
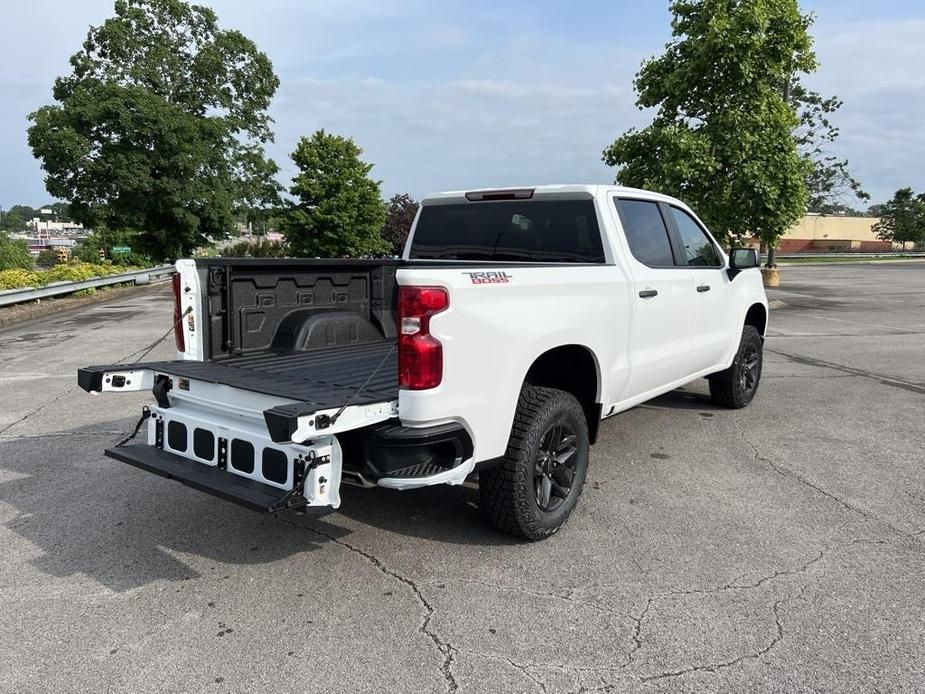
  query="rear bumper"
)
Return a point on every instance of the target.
[{"x": 390, "y": 451}]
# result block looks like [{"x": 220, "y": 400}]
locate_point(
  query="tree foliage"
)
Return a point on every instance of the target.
[
  {"x": 15, "y": 218},
  {"x": 260, "y": 248},
  {"x": 400, "y": 211},
  {"x": 14, "y": 254},
  {"x": 829, "y": 180},
  {"x": 902, "y": 219},
  {"x": 338, "y": 210},
  {"x": 722, "y": 136},
  {"x": 159, "y": 126}
]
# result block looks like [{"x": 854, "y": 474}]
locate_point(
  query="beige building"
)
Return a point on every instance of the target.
[{"x": 818, "y": 233}]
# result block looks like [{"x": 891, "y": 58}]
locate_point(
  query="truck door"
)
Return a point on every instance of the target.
[
  {"x": 660, "y": 342},
  {"x": 714, "y": 331}
]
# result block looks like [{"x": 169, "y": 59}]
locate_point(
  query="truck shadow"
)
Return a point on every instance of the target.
[
  {"x": 694, "y": 396},
  {"x": 80, "y": 513},
  {"x": 440, "y": 514}
]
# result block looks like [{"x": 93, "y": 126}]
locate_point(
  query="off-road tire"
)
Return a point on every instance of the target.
[
  {"x": 736, "y": 386},
  {"x": 509, "y": 491}
]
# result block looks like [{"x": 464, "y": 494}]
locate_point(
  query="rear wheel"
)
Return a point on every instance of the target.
[
  {"x": 736, "y": 386},
  {"x": 533, "y": 491}
]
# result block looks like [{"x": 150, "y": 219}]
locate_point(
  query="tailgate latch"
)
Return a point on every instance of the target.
[{"x": 161, "y": 385}]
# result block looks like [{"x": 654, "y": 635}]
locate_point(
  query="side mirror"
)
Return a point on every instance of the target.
[{"x": 742, "y": 259}]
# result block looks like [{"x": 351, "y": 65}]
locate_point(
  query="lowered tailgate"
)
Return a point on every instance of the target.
[{"x": 297, "y": 394}]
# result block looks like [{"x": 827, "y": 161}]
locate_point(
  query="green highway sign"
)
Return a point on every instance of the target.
[{"x": 121, "y": 249}]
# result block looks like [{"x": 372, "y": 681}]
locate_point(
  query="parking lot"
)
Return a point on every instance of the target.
[{"x": 776, "y": 548}]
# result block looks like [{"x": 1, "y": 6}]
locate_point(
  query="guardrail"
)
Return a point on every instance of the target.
[{"x": 8, "y": 297}]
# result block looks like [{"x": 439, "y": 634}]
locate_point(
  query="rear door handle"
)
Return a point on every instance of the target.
[
  {"x": 648, "y": 293},
  {"x": 703, "y": 288}
]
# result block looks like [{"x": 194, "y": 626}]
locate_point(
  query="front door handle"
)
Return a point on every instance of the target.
[
  {"x": 703, "y": 288},
  {"x": 648, "y": 293}
]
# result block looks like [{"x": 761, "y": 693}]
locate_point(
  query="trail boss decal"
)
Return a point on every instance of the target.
[{"x": 489, "y": 277}]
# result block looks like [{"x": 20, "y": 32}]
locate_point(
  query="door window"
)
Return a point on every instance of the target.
[
  {"x": 646, "y": 232},
  {"x": 699, "y": 251}
]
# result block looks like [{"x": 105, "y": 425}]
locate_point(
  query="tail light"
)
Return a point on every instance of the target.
[
  {"x": 178, "y": 314},
  {"x": 420, "y": 354}
]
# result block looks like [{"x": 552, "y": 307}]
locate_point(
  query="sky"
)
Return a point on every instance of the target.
[{"x": 461, "y": 95}]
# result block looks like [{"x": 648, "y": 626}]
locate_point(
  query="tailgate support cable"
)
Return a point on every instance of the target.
[
  {"x": 145, "y": 413},
  {"x": 359, "y": 390}
]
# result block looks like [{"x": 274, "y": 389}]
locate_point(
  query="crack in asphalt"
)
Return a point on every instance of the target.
[
  {"x": 640, "y": 620},
  {"x": 444, "y": 647},
  {"x": 764, "y": 650},
  {"x": 38, "y": 409},
  {"x": 787, "y": 472}
]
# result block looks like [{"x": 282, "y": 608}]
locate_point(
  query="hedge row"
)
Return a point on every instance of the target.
[{"x": 72, "y": 272}]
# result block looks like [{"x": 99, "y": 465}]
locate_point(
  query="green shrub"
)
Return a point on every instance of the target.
[
  {"x": 14, "y": 254},
  {"x": 72, "y": 272},
  {"x": 14, "y": 279}
]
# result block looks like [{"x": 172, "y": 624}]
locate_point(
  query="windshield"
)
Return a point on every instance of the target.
[{"x": 556, "y": 231}]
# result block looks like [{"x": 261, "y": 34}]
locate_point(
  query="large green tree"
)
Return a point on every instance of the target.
[
  {"x": 723, "y": 133},
  {"x": 902, "y": 218},
  {"x": 338, "y": 209},
  {"x": 159, "y": 126}
]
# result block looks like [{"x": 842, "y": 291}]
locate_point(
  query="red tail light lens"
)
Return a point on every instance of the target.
[
  {"x": 420, "y": 355},
  {"x": 177, "y": 315}
]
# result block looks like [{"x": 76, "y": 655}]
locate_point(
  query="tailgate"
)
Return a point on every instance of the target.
[{"x": 297, "y": 395}]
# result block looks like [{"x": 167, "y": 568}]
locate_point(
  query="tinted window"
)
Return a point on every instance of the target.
[
  {"x": 646, "y": 232},
  {"x": 562, "y": 231},
  {"x": 698, "y": 248}
]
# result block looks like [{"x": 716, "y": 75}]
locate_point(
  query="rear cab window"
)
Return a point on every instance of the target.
[{"x": 553, "y": 231}]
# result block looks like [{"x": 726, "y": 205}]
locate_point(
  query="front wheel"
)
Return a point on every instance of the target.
[
  {"x": 736, "y": 386},
  {"x": 533, "y": 491}
]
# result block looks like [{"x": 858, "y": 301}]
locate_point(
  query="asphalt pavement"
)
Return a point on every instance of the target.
[{"x": 780, "y": 548}]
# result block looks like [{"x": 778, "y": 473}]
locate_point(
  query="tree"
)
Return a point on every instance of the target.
[
  {"x": 338, "y": 210},
  {"x": 15, "y": 218},
  {"x": 88, "y": 249},
  {"x": 902, "y": 219},
  {"x": 159, "y": 126},
  {"x": 400, "y": 211},
  {"x": 261, "y": 248},
  {"x": 722, "y": 137},
  {"x": 829, "y": 178},
  {"x": 47, "y": 257},
  {"x": 14, "y": 254}
]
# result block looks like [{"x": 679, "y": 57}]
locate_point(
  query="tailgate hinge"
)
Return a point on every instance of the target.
[{"x": 295, "y": 497}]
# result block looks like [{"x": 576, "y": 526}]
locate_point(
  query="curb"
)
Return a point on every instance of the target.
[{"x": 22, "y": 313}]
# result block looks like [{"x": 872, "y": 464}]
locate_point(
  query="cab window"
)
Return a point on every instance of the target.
[
  {"x": 699, "y": 250},
  {"x": 646, "y": 232}
]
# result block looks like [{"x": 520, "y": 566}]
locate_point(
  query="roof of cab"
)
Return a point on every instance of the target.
[{"x": 570, "y": 190}]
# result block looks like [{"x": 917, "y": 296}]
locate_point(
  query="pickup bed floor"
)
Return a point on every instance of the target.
[{"x": 325, "y": 377}]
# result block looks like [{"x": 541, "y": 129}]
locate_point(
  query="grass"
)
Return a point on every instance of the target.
[{"x": 842, "y": 259}]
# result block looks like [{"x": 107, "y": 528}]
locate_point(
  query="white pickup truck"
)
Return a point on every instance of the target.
[{"x": 516, "y": 321}]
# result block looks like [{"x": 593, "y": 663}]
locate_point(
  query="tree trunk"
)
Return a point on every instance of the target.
[{"x": 772, "y": 260}]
